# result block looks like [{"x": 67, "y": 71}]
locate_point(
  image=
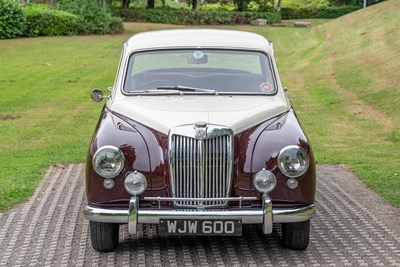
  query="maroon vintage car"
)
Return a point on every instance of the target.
[{"x": 198, "y": 137}]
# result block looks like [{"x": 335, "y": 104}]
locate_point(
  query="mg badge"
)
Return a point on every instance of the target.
[
  {"x": 200, "y": 133},
  {"x": 201, "y": 129}
]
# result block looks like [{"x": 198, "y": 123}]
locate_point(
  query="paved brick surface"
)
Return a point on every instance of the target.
[{"x": 353, "y": 227}]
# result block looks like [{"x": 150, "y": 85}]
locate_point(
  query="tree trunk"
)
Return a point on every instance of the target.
[
  {"x": 279, "y": 7},
  {"x": 194, "y": 4},
  {"x": 125, "y": 3},
  {"x": 150, "y": 4}
]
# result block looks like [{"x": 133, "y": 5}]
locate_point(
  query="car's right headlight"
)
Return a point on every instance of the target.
[
  {"x": 108, "y": 161},
  {"x": 293, "y": 161}
]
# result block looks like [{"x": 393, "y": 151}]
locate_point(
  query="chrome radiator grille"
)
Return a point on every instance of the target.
[{"x": 200, "y": 167}]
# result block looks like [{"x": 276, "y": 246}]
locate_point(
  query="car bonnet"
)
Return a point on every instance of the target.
[{"x": 163, "y": 113}]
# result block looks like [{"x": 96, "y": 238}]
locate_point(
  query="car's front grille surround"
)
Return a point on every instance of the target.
[{"x": 200, "y": 167}]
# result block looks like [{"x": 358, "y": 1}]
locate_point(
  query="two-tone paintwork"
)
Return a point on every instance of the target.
[
  {"x": 145, "y": 150},
  {"x": 139, "y": 126}
]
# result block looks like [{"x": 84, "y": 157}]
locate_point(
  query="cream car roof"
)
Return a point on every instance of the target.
[{"x": 198, "y": 38}]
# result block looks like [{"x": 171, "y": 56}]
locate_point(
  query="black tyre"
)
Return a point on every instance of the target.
[
  {"x": 296, "y": 235},
  {"x": 104, "y": 236}
]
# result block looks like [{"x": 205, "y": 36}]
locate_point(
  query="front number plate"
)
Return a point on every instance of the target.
[{"x": 200, "y": 227}]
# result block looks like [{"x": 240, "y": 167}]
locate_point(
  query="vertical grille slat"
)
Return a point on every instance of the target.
[{"x": 201, "y": 168}]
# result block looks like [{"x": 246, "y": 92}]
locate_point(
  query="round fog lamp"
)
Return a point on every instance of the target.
[
  {"x": 135, "y": 183},
  {"x": 264, "y": 181}
]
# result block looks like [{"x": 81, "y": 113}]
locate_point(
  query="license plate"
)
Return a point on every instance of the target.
[{"x": 200, "y": 227}]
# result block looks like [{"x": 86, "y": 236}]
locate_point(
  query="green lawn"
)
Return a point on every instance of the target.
[{"x": 342, "y": 77}]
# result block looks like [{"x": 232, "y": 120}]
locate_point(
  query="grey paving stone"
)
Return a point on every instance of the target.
[{"x": 353, "y": 227}]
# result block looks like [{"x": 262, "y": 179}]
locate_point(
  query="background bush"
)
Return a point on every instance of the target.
[
  {"x": 96, "y": 19},
  {"x": 116, "y": 25},
  {"x": 12, "y": 19},
  {"x": 193, "y": 17},
  {"x": 50, "y": 23},
  {"x": 317, "y": 13}
]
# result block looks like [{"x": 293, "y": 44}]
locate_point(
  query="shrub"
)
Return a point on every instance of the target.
[
  {"x": 193, "y": 17},
  {"x": 317, "y": 13},
  {"x": 116, "y": 25},
  {"x": 95, "y": 18},
  {"x": 12, "y": 19},
  {"x": 50, "y": 22}
]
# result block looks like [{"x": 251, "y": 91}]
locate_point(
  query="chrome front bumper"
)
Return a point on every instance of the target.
[{"x": 266, "y": 216}]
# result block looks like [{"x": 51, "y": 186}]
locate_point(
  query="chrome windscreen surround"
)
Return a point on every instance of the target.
[{"x": 200, "y": 164}]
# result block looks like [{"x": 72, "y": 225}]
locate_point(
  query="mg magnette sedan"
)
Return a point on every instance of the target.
[{"x": 198, "y": 136}]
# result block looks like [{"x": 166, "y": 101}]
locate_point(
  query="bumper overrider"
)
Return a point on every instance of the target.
[{"x": 266, "y": 216}]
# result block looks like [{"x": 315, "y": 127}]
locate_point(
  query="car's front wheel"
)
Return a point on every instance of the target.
[
  {"x": 104, "y": 236},
  {"x": 296, "y": 235}
]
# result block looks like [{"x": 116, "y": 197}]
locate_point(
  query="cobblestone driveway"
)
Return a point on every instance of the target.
[{"x": 353, "y": 227}]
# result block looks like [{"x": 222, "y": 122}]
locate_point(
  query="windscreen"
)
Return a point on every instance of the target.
[{"x": 220, "y": 70}]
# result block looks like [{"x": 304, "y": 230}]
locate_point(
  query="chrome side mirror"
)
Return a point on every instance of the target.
[{"x": 97, "y": 95}]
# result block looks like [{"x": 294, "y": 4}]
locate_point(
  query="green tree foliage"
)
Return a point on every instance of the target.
[
  {"x": 241, "y": 5},
  {"x": 12, "y": 19},
  {"x": 256, "y": 5}
]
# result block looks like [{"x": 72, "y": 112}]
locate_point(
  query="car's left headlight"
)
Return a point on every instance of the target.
[
  {"x": 293, "y": 161},
  {"x": 108, "y": 161}
]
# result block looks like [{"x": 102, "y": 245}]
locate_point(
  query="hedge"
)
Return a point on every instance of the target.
[
  {"x": 193, "y": 17},
  {"x": 12, "y": 20},
  {"x": 318, "y": 13},
  {"x": 50, "y": 23}
]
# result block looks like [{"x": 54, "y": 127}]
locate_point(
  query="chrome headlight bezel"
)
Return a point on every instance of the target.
[
  {"x": 110, "y": 153},
  {"x": 291, "y": 155}
]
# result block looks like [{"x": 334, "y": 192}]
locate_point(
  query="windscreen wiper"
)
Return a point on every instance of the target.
[
  {"x": 175, "y": 89},
  {"x": 157, "y": 91},
  {"x": 186, "y": 89}
]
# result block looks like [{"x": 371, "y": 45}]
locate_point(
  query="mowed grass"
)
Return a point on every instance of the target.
[
  {"x": 46, "y": 114},
  {"x": 342, "y": 77}
]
